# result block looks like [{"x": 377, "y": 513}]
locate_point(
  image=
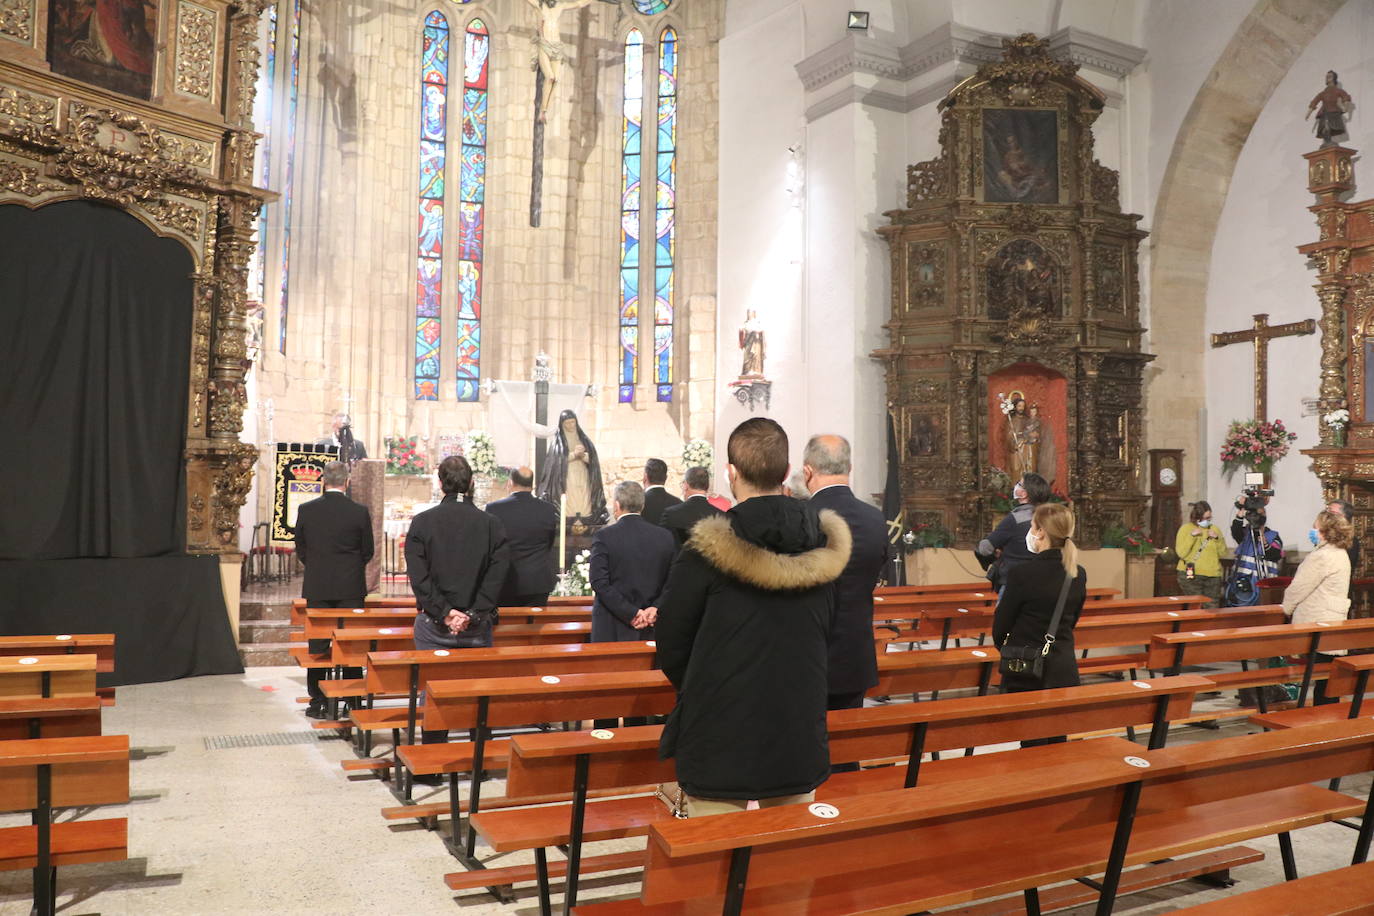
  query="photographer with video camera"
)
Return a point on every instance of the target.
[
  {"x": 1259, "y": 549},
  {"x": 1199, "y": 545}
]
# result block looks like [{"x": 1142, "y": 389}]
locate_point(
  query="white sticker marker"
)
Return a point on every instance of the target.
[
  {"x": 1138, "y": 762},
  {"x": 550, "y": 679},
  {"x": 28, "y": 661},
  {"x": 821, "y": 809},
  {"x": 1143, "y": 685},
  {"x": 603, "y": 734},
  {"x": 442, "y": 653},
  {"x": 64, "y": 636},
  {"x": 360, "y": 610},
  {"x": 385, "y": 631},
  {"x": 979, "y": 653},
  {"x": 1199, "y": 633},
  {"x": 1173, "y": 613},
  {"x": 651, "y": 643}
]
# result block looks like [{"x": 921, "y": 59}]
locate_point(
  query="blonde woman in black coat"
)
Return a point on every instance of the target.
[{"x": 1027, "y": 604}]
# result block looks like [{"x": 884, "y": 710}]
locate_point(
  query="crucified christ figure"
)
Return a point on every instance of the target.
[{"x": 551, "y": 51}]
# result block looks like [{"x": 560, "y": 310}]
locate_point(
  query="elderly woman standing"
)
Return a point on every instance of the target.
[{"x": 1320, "y": 591}]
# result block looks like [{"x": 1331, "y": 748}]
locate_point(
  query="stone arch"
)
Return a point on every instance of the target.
[{"x": 1191, "y": 197}]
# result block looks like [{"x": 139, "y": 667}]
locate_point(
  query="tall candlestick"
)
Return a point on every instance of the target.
[{"x": 563, "y": 531}]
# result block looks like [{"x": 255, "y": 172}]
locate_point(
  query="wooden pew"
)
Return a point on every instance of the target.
[
  {"x": 44, "y": 774},
  {"x": 1349, "y": 677},
  {"x": 407, "y": 672},
  {"x": 964, "y": 588},
  {"x": 1201, "y": 647},
  {"x": 1345, "y": 891},
  {"x": 101, "y": 645},
  {"x": 932, "y": 846},
  {"x": 51, "y": 717},
  {"x": 1120, "y": 630},
  {"x": 47, "y": 676},
  {"x": 541, "y": 765}
]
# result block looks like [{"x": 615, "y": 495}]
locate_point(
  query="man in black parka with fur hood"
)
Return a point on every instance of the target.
[{"x": 742, "y": 633}]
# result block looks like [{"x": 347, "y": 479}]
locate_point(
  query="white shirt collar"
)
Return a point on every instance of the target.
[{"x": 654, "y": 486}]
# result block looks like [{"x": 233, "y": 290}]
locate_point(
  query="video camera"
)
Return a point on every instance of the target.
[{"x": 1253, "y": 499}]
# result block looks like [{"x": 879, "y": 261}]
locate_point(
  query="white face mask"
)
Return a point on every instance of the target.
[
  {"x": 1206, "y": 523},
  {"x": 1032, "y": 543}
]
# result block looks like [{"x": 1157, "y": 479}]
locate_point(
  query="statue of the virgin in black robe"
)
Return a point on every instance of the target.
[{"x": 571, "y": 467}]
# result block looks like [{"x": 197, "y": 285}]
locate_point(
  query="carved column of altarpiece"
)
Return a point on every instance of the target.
[
  {"x": 1344, "y": 259},
  {"x": 180, "y": 162},
  {"x": 1013, "y": 265}
]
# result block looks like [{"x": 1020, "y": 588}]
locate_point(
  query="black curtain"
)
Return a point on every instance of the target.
[
  {"x": 95, "y": 330},
  {"x": 95, "y": 327}
]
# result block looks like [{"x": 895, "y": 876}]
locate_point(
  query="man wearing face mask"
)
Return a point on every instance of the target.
[
  {"x": 1199, "y": 545},
  {"x": 1007, "y": 544}
]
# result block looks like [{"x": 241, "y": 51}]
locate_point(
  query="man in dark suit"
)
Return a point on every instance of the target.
[
  {"x": 656, "y": 496},
  {"x": 342, "y": 436},
  {"x": 334, "y": 541},
  {"x": 679, "y": 519},
  {"x": 853, "y": 664},
  {"x": 531, "y": 531},
  {"x": 457, "y": 557}
]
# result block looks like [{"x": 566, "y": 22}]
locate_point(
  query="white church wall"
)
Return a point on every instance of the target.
[{"x": 1256, "y": 268}]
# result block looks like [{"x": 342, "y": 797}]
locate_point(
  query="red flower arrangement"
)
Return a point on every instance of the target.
[{"x": 403, "y": 456}]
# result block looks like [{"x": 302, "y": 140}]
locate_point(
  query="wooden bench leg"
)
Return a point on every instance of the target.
[
  {"x": 44, "y": 875},
  {"x": 541, "y": 867},
  {"x": 1366, "y": 832},
  {"x": 1125, "y": 820},
  {"x": 1032, "y": 895},
  {"x": 735, "y": 883},
  {"x": 1290, "y": 865},
  {"x": 579, "y": 813}
]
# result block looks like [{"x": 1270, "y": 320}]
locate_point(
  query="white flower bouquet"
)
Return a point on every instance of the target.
[
  {"x": 1338, "y": 417},
  {"x": 698, "y": 454},
  {"x": 578, "y": 578},
  {"x": 480, "y": 451}
]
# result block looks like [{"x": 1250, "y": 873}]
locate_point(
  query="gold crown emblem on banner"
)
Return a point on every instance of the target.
[{"x": 306, "y": 472}]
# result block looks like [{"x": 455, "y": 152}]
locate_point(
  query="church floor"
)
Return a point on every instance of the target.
[{"x": 281, "y": 829}]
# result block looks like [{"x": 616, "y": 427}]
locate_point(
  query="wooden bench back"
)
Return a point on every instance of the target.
[
  {"x": 1202, "y": 647},
  {"x": 349, "y": 647},
  {"x": 1144, "y": 605},
  {"x": 1137, "y": 629},
  {"x": 320, "y": 623},
  {"x": 389, "y": 672},
  {"x": 513, "y": 701},
  {"x": 47, "y": 675},
  {"x": 965, "y": 588},
  {"x": 53, "y": 717},
  {"x": 1345, "y": 674},
  {"x": 85, "y": 771},
  {"x": 926, "y": 670},
  {"x": 101, "y": 645},
  {"x": 916, "y": 832},
  {"x": 542, "y": 633}
]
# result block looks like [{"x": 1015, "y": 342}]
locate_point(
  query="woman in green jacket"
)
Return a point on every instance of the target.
[{"x": 1199, "y": 545}]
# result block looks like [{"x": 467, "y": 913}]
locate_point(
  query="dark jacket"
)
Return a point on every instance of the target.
[
  {"x": 655, "y": 501},
  {"x": 628, "y": 567},
  {"x": 743, "y": 631},
  {"x": 679, "y": 519},
  {"x": 456, "y": 556},
  {"x": 1010, "y": 538},
  {"x": 531, "y": 532},
  {"x": 853, "y": 659},
  {"x": 1024, "y": 612},
  {"x": 334, "y": 541}
]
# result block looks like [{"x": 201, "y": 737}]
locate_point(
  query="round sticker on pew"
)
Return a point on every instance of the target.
[
  {"x": 1139, "y": 762},
  {"x": 385, "y": 631},
  {"x": 63, "y": 637},
  {"x": 979, "y": 653},
  {"x": 1173, "y": 597},
  {"x": 28, "y": 661},
  {"x": 820, "y": 809},
  {"x": 977, "y": 594},
  {"x": 359, "y": 610},
  {"x": 442, "y": 653},
  {"x": 651, "y": 644},
  {"x": 1199, "y": 633},
  {"x": 536, "y": 609},
  {"x": 603, "y": 734},
  {"x": 963, "y": 610},
  {"x": 1143, "y": 685},
  {"x": 879, "y": 598},
  {"x": 550, "y": 679},
  {"x": 1173, "y": 613},
  {"x": 1323, "y": 623}
]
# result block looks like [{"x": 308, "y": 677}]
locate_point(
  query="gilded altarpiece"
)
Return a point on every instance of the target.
[
  {"x": 1343, "y": 257},
  {"x": 1014, "y": 273},
  {"x": 181, "y": 162}
]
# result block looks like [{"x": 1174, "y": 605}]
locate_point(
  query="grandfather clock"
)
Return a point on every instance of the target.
[{"x": 1166, "y": 483}]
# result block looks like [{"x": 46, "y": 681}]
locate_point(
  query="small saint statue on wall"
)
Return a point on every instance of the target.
[
  {"x": 1332, "y": 105},
  {"x": 751, "y": 342},
  {"x": 1030, "y": 439}
]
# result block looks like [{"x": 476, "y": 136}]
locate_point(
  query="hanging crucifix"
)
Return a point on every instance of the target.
[
  {"x": 550, "y": 53},
  {"x": 1260, "y": 335}
]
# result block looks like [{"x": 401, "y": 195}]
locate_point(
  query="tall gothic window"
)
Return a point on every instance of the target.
[
  {"x": 472, "y": 173},
  {"x": 429, "y": 268},
  {"x": 656, "y": 274},
  {"x": 267, "y": 87},
  {"x": 293, "y": 51},
  {"x": 472, "y": 192}
]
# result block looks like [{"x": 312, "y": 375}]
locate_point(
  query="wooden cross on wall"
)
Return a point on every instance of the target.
[{"x": 1260, "y": 335}]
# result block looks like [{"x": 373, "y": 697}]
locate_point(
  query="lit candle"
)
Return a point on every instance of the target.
[{"x": 563, "y": 531}]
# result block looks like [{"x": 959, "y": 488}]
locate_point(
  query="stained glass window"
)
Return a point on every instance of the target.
[
  {"x": 666, "y": 152},
  {"x": 293, "y": 89},
  {"x": 652, "y": 7},
  {"x": 631, "y": 134},
  {"x": 429, "y": 265},
  {"x": 267, "y": 87},
  {"x": 472, "y": 182}
]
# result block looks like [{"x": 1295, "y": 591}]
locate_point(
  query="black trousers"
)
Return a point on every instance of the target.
[
  {"x": 527, "y": 601},
  {"x": 430, "y": 635},
  {"x": 313, "y": 676}
]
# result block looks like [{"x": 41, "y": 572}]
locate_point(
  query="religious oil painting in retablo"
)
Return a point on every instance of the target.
[
  {"x": 107, "y": 43},
  {"x": 1020, "y": 156}
]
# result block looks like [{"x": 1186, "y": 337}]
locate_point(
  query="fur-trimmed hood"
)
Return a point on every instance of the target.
[{"x": 716, "y": 540}]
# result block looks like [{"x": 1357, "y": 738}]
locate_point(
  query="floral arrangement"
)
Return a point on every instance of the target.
[
  {"x": 1336, "y": 418},
  {"x": 927, "y": 535},
  {"x": 1005, "y": 404},
  {"x": 1255, "y": 443},
  {"x": 403, "y": 456},
  {"x": 1135, "y": 540},
  {"x": 697, "y": 454},
  {"x": 480, "y": 451},
  {"x": 578, "y": 579}
]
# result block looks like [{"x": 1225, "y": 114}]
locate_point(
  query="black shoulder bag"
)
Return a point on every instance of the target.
[{"x": 1029, "y": 661}]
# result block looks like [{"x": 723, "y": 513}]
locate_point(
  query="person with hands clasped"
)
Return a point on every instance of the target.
[{"x": 1199, "y": 545}]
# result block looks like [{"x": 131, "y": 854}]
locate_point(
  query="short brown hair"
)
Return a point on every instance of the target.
[
  {"x": 697, "y": 479},
  {"x": 758, "y": 450},
  {"x": 1199, "y": 509},
  {"x": 1335, "y": 530},
  {"x": 455, "y": 476}
]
